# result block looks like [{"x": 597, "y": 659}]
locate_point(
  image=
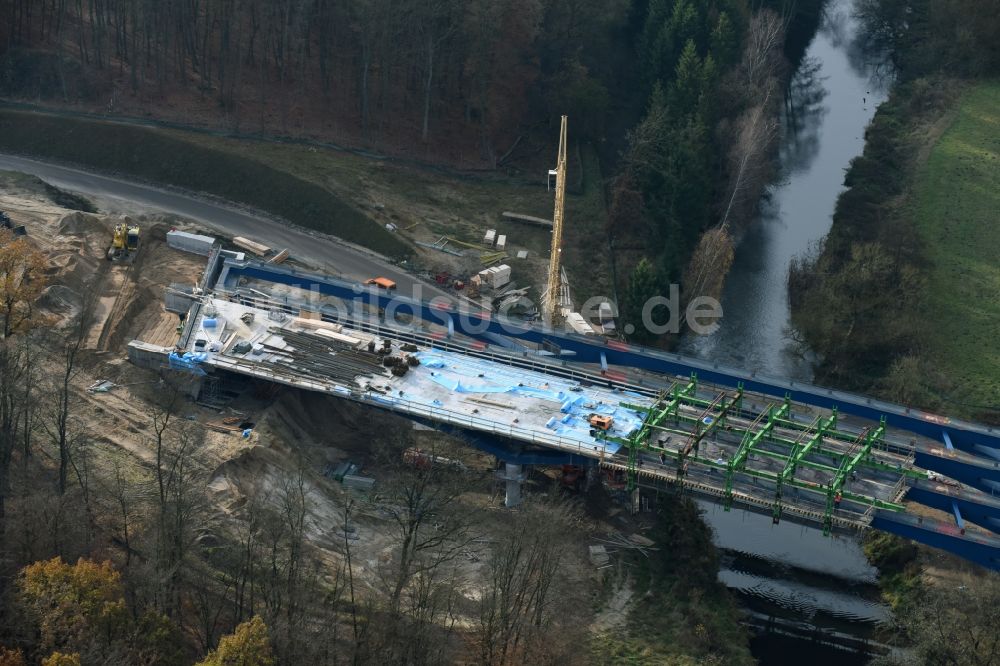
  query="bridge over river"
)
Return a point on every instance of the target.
[{"x": 796, "y": 452}]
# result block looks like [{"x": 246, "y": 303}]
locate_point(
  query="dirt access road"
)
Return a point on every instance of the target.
[{"x": 115, "y": 195}]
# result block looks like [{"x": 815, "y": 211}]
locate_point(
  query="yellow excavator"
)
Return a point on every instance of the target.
[{"x": 124, "y": 242}]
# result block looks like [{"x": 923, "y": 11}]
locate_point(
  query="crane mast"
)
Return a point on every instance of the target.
[{"x": 550, "y": 301}]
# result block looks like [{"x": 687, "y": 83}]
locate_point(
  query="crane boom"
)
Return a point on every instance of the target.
[{"x": 550, "y": 301}]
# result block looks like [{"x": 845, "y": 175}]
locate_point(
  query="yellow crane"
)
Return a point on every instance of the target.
[{"x": 550, "y": 300}]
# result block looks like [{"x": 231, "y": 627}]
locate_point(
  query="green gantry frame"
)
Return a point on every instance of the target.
[
  {"x": 861, "y": 449},
  {"x": 819, "y": 428},
  {"x": 752, "y": 438},
  {"x": 655, "y": 417},
  {"x": 812, "y": 441}
]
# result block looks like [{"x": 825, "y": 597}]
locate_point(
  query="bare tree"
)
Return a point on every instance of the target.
[
  {"x": 65, "y": 350},
  {"x": 430, "y": 525},
  {"x": 179, "y": 501},
  {"x": 121, "y": 495},
  {"x": 516, "y": 605},
  {"x": 762, "y": 55},
  {"x": 15, "y": 355}
]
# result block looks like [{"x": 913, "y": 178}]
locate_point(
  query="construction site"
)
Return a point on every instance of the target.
[
  {"x": 538, "y": 393},
  {"x": 587, "y": 408},
  {"x": 760, "y": 452},
  {"x": 285, "y": 366}
]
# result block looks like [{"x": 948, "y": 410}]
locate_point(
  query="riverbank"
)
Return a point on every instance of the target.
[
  {"x": 817, "y": 598},
  {"x": 830, "y": 99},
  {"x": 676, "y": 611},
  {"x": 900, "y": 301}
]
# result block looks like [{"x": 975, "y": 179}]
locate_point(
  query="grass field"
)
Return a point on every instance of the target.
[{"x": 956, "y": 207}]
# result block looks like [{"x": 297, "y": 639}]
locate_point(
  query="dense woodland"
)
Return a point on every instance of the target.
[{"x": 679, "y": 97}]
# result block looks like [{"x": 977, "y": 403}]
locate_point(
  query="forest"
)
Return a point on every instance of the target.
[{"x": 679, "y": 98}]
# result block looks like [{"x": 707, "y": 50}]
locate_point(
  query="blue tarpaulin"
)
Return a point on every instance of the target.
[{"x": 188, "y": 362}]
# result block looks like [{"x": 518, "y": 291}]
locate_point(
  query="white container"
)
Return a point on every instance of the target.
[
  {"x": 579, "y": 325},
  {"x": 182, "y": 240}
]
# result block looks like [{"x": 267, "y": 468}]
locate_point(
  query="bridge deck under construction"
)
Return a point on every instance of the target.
[
  {"x": 723, "y": 442},
  {"x": 756, "y": 448}
]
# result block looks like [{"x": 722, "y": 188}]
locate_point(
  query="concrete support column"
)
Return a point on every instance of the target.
[
  {"x": 635, "y": 501},
  {"x": 513, "y": 476}
]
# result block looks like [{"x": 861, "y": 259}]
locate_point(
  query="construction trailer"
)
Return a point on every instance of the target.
[
  {"x": 579, "y": 325},
  {"x": 490, "y": 236},
  {"x": 606, "y": 317},
  {"x": 187, "y": 242},
  {"x": 495, "y": 277}
]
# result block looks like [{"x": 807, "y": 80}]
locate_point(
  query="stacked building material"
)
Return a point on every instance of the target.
[{"x": 322, "y": 357}]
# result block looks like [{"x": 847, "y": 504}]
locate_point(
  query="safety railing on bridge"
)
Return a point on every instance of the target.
[
  {"x": 765, "y": 504},
  {"x": 412, "y": 408}
]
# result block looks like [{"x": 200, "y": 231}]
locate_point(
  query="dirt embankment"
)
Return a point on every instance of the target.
[{"x": 126, "y": 297}]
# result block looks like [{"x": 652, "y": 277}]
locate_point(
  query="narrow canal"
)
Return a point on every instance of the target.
[{"x": 808, "y": 595}]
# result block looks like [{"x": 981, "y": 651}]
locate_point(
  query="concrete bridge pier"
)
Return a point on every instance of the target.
[{"x": 514, "y": 477}]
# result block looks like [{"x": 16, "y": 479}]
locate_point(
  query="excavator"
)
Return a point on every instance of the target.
[{"x": 124, "y": 242}]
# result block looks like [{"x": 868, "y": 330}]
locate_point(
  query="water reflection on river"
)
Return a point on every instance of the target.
[{"x": 792, "y": 579}]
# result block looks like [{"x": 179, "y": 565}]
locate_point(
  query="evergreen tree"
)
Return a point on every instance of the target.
[
  {"x": 643, "y": 285},
  {"x": 687, "y": 80},
  {"x": 723, "y": 40}
]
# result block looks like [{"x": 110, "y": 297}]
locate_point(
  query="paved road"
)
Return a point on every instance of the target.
[{"x": 119, "y": 195}]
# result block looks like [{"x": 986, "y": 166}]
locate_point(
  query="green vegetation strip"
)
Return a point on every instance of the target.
[
  {"x": 955, "y": 205},
  {"x": 161, "y": 157}
]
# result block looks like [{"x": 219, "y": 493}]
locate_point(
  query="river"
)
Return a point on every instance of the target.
[{"x": 794, "y": 581}]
